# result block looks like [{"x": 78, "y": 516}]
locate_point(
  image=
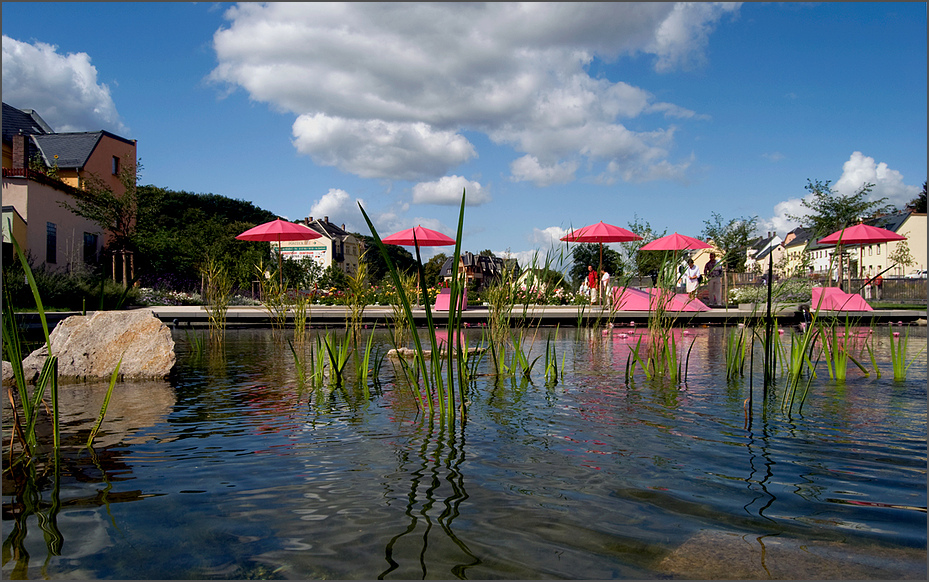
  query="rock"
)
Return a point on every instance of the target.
[
  {"x": 7, "y": 373},
  {"x": 90, "y": 347}
]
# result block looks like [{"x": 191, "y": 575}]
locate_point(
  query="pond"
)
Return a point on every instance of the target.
[{"x": 234, "y": 469}]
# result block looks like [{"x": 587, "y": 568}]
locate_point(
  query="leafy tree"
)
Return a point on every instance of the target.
[
  {"x": 918, "y": 204},
  {"x": 116, "y": 212},
  {"x": 402, "y": 259},
  {"x": 487, "y": 253},
  {"x": 731, "y": 238},
  {"x": 433, "y": 269},
  {"x": 589, "y": 254},
  {"x": 901, "y": 255},
  {"x": 644, "y": 264},
  {"x": 830, "y": 211},
  {"x": 333, "y": 278}
]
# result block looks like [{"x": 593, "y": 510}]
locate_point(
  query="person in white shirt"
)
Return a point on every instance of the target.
[
  {"x": 691, "y": 278},
  {"x": 605, "y": 286}
]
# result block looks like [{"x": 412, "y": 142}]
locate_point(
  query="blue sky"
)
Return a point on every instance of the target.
[{"x": 552, "y": 116}]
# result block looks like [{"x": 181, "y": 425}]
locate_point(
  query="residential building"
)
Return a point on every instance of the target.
[
  {"x": 336, "y": 247},
  {"x": 478, "y": 271},
  {"x": 761, "y": 250},
  {"x": 42, "y": 171},
  {"x": 873, "y": 258}
]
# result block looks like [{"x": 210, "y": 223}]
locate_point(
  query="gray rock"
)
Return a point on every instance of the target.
[{"x": 90, "y": 347}]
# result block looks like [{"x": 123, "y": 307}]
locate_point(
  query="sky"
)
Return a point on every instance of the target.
[{"x": 549, "y": 116}]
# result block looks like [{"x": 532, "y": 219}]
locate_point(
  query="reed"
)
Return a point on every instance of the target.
[
  {"x": 274, "y": 298},
  {"x": 357, "y": 299},
  {"x": 218, "y": 293},
  {"x": 898, "y": 349},
  {"x": 338, "y": 353},
  {"x": 436, "y": 392},
  {"x": 106, "y": 403},
  {"x": 300, "y": 307},
  {"x": 24, "y": 428}
]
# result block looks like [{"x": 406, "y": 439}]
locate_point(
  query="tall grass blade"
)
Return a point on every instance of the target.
[{"x": 106, "y": 403}]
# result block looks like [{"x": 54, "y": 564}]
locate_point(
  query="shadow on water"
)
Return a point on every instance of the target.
[{"x": 432, "y": 460}]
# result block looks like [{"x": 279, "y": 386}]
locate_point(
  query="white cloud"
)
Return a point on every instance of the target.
[
  {"x": 856, "y": 171},
  {"x": 861, "y": 169},
  {"x": 528, "y": 168},
  {"x": 447, "y": 191},
  {"x": 385, "y": 90},
  {"x": 547, "y": 237},
  {"x": 379, "y": 149},
  {"x": 338, "y": 206},
  {"x": 63, "y": 89}
]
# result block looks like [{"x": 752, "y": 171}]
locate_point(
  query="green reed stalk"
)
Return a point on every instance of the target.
[
  {"x": 274, "y": 298},
  {"x": 106, "y": 403},
  {"x": 898, "y": 355},
  {"x": 357, "y": 299},
  {"x": 300, "y": 305},
  {"x": 338, "y": 357},
  {"x": 48, "y": 377},
  {"x": 298, "y": 364},
  {"x": 218, "y": 292}
]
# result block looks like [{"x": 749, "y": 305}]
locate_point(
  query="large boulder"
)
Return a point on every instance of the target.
[{"x": 90, "y": 347}]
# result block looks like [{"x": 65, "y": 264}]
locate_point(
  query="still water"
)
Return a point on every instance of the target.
[{"x": 234, "y": 469}]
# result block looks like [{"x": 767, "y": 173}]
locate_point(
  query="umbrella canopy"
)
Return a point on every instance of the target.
[
  {"x": 675, "y": 242},
  {"x": 861, "y": 234},
  {"x": 419, "y": 236},
  {"x": 601, "y": 233},
  {"x": 630, "y": 299},
  {"x": 279, "y": 230},
  {"x": 834, "y": 299}
]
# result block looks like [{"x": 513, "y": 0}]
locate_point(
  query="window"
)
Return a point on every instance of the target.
[
  {"x": 51, "y": 243},
  {"x": 115, "y": 165},
  {"x": 878, "y": 249},
  {"x": 90, "y": 248}
]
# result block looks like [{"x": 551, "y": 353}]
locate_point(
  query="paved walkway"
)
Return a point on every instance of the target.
[{"x": 565, "y": 316}]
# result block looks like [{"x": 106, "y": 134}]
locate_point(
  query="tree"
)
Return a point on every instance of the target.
[
  {"x": 901, "y": 255},
  {"x": 486, "y": 253},
  {"x": 433, "y": 269},
  {"x": 402, "y": 259},
  {"x": 830, "y": 211},
  {"x": 117, "y": 213},
  {"x": 918, "y": 204},
  {"x": 644, "y": 264},
  {"x": 731, "y": 238},
  {"x": 589, "y": 254}
]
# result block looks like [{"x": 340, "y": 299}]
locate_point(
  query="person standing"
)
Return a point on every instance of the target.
[
  {"x": 691, "y": 278},
  {"x": 592, "y": 283},
  {"x": 867, "y": 284},
  {"x": 605, "y": 285},
  {"x": 878, "y": 285}
]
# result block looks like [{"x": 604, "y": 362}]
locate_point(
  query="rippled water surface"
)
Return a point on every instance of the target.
[{"x": 234, "y": 469}]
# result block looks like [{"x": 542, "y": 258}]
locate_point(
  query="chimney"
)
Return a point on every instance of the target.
[
  {"x": 326, "y": 219},
  {"x": 343, "y": 226},
  {"x": 19, "y": 151}
]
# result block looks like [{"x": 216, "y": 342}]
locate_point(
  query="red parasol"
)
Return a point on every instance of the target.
[
  {"x": 675, "y": 242},
  {"x": 860, "y": 234},
  {"x": 279, "y": 230},
  {"x": 419, "y": 236},
  {"x": 601, "y": 233}
]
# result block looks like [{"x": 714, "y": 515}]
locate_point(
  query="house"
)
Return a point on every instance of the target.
[
  {"x": 42, "y": 170},
  {"x": 761, "y": 250},
  {"x": 336, "y": 247},
  {"x": 874, "y": 257},
  {"x": 479, "y": 271}
]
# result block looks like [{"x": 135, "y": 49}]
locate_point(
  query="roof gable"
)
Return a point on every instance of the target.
[
  {"x": 73, "y": 149},
  {"x": 17, "y": 121}
]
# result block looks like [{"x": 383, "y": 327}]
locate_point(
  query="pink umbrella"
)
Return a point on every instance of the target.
[
  {"x": 419, "y": 236},
  {"x": 860, "y": 234},
  {"x": 675, "y": 242},
  {"x": 834, "y": 299},
  {"x": 279, "y": 230},
  {"x": 601, "y": 233}
]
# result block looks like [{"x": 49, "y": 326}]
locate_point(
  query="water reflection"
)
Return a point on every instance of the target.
[{"x": 431, "y": 460}]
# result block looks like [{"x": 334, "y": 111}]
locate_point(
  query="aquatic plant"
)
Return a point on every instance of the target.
[
  {"x": 25, "y": 428},
  {"x": 106, "y": 403},
  {"x": 218, "y": 292},
  {"x": 898, "y": 354}
]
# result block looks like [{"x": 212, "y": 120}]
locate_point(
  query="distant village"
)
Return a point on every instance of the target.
[{"x": 57, "y": 238}]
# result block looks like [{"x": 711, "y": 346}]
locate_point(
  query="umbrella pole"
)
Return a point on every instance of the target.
[
  {"x": 280, "y": 264},
  {"x": 600, "y": 277}
]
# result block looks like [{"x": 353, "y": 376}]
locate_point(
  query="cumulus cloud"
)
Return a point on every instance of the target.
[
  {"x": 547, "y": 237},
  {"x": 62, "y": 88},
  {"x": 447, "y": 191},
  {"x": 385, "y": 90},
  {"x": 858, "y": 170},
  {"x": 334, "y": 203},
  {"x": 861, "y": 169}
]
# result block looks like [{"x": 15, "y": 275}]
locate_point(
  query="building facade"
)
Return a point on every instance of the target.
[
  {"x": 336, "y": 247},
  {"x": 42, "y": 170}
]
